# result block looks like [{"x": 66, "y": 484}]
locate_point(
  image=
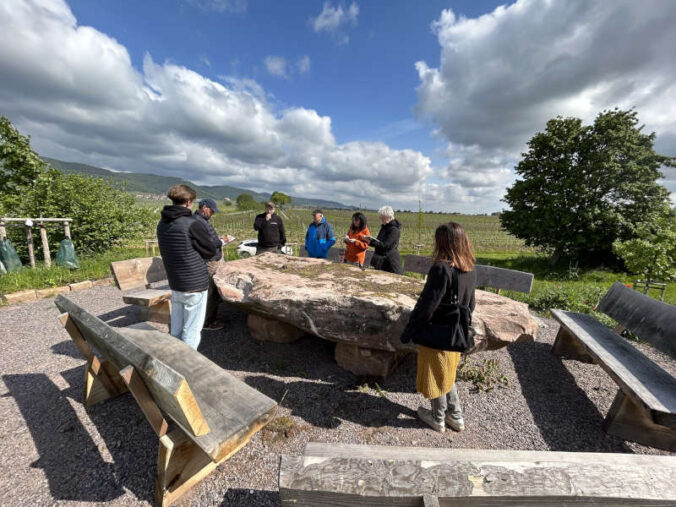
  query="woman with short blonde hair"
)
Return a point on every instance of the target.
[{"x": 386, "y": 256}]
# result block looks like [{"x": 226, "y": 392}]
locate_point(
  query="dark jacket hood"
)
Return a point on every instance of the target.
[
  {"x": 171, "y": 213},
  {"x": 393, "y": 223}
]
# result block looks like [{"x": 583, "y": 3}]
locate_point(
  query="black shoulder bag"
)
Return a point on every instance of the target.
[{"x": 449, "y": 328}]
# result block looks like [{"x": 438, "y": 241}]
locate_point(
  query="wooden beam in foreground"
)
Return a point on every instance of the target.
[{"x": 349, "y": 475}]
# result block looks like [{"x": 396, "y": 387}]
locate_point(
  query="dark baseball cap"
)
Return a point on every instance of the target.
[{"x": 209, "y": 203}]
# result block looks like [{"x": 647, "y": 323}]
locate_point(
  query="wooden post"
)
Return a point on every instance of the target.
[
  {"x": 29, "y": 240},
  {"x": 66, "y": 229},
  {"x": 45, "y": 244},
  {"x": 3, "y": 231}
]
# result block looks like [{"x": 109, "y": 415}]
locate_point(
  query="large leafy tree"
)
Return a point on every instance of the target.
[
  {"x": 582, "y": 187},
  {"x": 280, "y": 199},
  {"x": 102, "y": 216},
  {"x": 246, "y": 202}
]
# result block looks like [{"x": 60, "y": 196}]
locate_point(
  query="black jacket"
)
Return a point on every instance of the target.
[
  {"x": 184, "y": 245},
  {"x": 437, "y": 293},
  {"x": 386, "y": 256},
  {"x": 270, "y": 232},
  {"x": 199, "y": 216}
]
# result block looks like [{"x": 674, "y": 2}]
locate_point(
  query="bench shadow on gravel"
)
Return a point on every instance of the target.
[
  {"x": 246, "y": 497},
  {"x": 567, "y": 419}
]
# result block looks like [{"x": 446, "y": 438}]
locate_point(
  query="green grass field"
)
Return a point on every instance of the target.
[{"x": 562, "y": 287}]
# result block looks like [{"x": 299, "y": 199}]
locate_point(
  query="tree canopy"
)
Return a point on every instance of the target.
[
  {"x": 246, "y": 202},
  {"x": 582, "y": 187},
  {"x": 102, "y": 216},
  {"x": 280, "y": 199}
]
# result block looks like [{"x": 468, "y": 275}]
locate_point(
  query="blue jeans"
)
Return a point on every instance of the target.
[{"x": 187, "y": 316}]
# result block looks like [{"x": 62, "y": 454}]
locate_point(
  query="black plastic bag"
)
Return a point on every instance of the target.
[
  {"x": 9, "y": 257},
  {"x": 66, "y": 257}
]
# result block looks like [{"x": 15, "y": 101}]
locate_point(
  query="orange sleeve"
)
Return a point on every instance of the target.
[{"x": 361, "y": 245}]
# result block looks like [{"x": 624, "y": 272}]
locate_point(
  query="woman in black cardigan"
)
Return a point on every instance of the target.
[
  {"x": 386, "y": 256},
  {"x": 437, "y": 368}
]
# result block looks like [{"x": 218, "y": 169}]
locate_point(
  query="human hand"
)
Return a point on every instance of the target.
[{"x": 268, "y": 216}]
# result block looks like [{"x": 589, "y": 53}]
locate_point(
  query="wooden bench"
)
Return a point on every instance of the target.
[
  {"x": 644, "y": 409},
  {"x": 334, "y": 254},
  {"x": 134, "y": 277},
  {"x": 486, "y": 276},
  {"x": 213, "y": 413},
  {"x": 369, "y": 475}
]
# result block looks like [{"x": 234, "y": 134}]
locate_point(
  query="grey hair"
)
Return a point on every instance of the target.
[{"x": 386, "y": 211}]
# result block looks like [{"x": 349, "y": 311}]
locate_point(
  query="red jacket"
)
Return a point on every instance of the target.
[{"x": 356, "y": 252}]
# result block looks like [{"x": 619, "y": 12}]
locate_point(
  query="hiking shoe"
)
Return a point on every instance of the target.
[
  {"x": 213, "y": 326},
  {"x": 455, "y": 424},
  {"x": 425, "y": 415}
]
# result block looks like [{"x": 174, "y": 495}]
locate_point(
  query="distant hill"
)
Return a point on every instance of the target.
[{"x": 145, "y": 183}]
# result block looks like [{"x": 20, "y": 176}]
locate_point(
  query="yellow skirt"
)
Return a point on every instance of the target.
[{"x": 436, "y": 371}]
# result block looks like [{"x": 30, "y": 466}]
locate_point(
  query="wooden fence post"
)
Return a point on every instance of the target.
[
  {"x": 45, "y": 244},
  {"x": 66, "y": 229},
  {"x": 3, "y": 231},
  {"x": 29, "y": 240}
]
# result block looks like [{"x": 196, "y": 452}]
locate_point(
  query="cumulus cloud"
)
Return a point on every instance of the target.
[
  {"x": 76, "y": 92},
  {"x": 275, "y": 65},
  {"x": 502, "y": 75},
  {"x": 304, "y": 64},
  {"x": 334, "y": 19}
]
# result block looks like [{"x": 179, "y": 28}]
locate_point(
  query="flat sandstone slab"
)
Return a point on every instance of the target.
[{"x": 342, "y": 303}]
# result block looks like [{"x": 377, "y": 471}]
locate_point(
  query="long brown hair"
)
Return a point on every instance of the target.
[{"x": 451, "y": 244}]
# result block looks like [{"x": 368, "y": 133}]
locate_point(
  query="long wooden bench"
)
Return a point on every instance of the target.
[
  {"x": 644, "y": 409},
  {"x": 335, "y": 254},
  {"x": 486, "y": 276},
  {"x": 369, "y": 475},
  {"x": 214, "y": 414},
  {"x": 134, "y": 277}
]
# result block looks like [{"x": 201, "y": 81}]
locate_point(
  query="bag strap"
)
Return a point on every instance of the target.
[{"x": 454, "y": 284}]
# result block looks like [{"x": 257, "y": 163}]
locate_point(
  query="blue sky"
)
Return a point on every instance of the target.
[{"x": 371, "y": 102}]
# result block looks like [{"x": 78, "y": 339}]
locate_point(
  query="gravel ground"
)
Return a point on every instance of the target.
[{"x": 56, "y": 452}]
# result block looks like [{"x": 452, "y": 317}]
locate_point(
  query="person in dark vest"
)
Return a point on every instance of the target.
[
  {"x": 185, "y": 245},
  {"x": 270, "y": 227},
  {"x": 206, "y": 209},
  {"x": 437, "y": 368},
  {"x": 386, "y": 256}
]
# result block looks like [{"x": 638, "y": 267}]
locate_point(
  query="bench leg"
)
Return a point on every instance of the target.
[
  {"x": 102, "y": 382},
  {"x": 161, "y": 312},
  {"x": 568, "y": 346},
  {"x": 181, "y": 464},
  {"x": 629, "y": 420}
]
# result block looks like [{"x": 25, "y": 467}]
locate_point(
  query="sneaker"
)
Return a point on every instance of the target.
[
  {"x": 426, "y": 416},
  {"x": 213, "y": 326},
  {"x": 455, "y": 424}
]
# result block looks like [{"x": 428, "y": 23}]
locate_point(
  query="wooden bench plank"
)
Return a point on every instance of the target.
[
  {"x": 345, "y": 474},
  {"x": 146, "y": 297},
  {"x": 630, "y": 368},
  {"x": 652, "y": 320},
  {"x": 233, "y": 410},
  {"x": 135, "y": 273}
]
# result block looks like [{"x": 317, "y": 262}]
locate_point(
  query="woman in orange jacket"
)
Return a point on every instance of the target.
[{"x": 355, "y": 243}]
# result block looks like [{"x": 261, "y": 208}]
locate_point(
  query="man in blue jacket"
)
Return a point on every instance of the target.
[{"x": 319, "y": 237}]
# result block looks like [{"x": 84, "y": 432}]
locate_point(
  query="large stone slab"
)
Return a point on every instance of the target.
[{"x": 343, "y": 303}]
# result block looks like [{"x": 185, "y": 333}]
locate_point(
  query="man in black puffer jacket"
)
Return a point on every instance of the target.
[{"x": 185, "y": 244}]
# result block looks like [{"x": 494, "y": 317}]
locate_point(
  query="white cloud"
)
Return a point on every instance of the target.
[
  {"x": 334, "y": 19},
  {"x": 504, "y": 74},
  {"x": 275, "y": 65},
  {"x": 76, "y": 92},
  {"x": 304, "y": 64}
]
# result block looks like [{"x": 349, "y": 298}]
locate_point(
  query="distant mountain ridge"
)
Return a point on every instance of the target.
[{"x": 146, "y": 183}]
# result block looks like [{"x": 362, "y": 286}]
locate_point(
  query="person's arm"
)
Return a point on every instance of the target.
[
  {"x": 428, "y": 302},
  {"x": 331, "y": 240},
  {"x": 201, "y": 240},
  {"x": 260, "y": 222},
  {"x": 361, "y": 245},
  {"x": 392, "y": 240},
  {"x": 282, "y": 231}
]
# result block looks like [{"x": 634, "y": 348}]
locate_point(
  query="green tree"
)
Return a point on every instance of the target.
[
  {"x": 280, "y": 199},
  {"x": 652, "y": 254},
  {"x": 246, "y": 202},
  {"x": 102, "y": 216},
  {"x": 584, "y": 187}
]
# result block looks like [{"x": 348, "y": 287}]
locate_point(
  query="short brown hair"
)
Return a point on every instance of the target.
[
  {"x": 181, "y": 194},
  {"x": 451, "y": 244},
  {"x": 269, "y": 204}
]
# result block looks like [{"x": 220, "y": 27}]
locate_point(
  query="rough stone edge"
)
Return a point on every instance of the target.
[{"x": 57, "y": 290}]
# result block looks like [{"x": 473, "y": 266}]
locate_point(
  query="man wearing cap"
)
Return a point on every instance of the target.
[
  {"x": 319, "y": 237},
  {"x": 207, "y": 207},
  {"x": 270, "y": 227}
]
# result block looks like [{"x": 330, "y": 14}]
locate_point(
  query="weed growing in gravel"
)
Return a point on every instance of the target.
[{"x": 484, "y": 376}]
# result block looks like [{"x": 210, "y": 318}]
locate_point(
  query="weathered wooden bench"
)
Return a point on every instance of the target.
[
  {"x": 334, "y": 254},
  {"x": 369, "y": 475},
  {"x": 486, "y": 276},
  {"x": 644, "y": 409},
  {"x": 134, "y": 277},
  {"x": 214, "y": 414}
]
